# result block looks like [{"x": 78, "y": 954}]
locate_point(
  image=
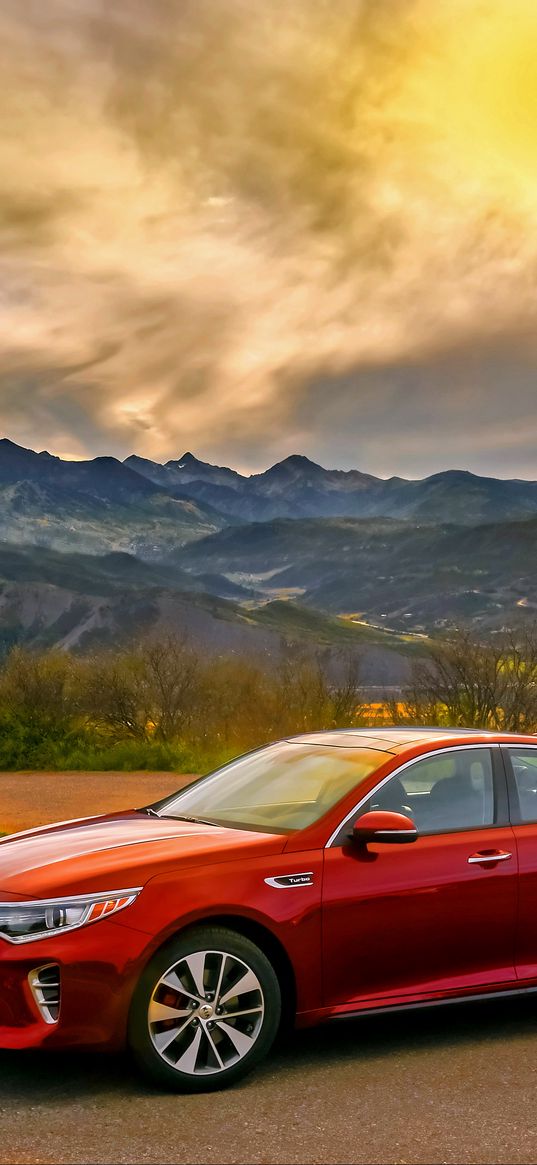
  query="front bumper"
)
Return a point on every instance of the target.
[{"x": 99, "y": 966}]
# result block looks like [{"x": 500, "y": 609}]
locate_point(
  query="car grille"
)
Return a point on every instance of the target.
[{"x": 45, "y": 987}]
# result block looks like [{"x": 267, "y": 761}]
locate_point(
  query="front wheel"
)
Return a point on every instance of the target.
[{"x": 205, "y": 1012}]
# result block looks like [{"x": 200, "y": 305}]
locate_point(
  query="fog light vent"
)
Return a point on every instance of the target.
[{"x": 45, "y": 987}]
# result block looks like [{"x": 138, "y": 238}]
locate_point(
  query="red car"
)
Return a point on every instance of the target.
[{"x": 281, "y": 888}]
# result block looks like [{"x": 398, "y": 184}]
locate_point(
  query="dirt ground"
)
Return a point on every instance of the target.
[{"x": 29, "y": 799}]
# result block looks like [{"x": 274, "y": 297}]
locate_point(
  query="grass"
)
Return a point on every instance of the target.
[
  {"x": 124, "y": 756},
  {"x": 338, "y": 630},
  {"x": 89, "y": 753}
]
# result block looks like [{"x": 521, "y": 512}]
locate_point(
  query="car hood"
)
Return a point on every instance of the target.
[{"x": 117, "y": 852}]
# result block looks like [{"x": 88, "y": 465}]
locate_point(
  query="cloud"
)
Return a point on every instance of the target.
[
  {"x": 470, "y": 408},
  {"x": 210, "y": 207}
]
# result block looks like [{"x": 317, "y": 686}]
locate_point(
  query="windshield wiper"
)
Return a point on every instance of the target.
[
  {"x": 193, "y": 820},
  {"x": 176, "y": 817}
]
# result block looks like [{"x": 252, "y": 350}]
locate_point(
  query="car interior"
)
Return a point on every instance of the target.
[
  {"x": 454, "y": 792},
  {"x": 525, "y": 771}
]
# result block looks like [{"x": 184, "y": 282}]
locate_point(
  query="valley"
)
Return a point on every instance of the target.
[{"x": 94, "y": 552}]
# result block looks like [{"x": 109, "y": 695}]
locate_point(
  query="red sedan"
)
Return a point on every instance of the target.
[{"x": 281, "y": 888}]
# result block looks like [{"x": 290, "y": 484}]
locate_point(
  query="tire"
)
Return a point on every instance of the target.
[{"x": 185, "y": 1030}]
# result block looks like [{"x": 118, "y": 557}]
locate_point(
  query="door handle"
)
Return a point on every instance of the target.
[{"x": 499, "y": 855}]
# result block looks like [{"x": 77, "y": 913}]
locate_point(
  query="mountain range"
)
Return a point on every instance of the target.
[
  {"x": 201, "y": 498},
  {"x": 93, "y": 506},
  {"x": 402, "y": 575},
  {"x": 298, "y": 488},
  {"x": 81, "y": 602},
  {"x": 92, "y": 551}
]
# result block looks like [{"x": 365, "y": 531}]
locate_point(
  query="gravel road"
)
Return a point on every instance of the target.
[
  {"x": 30, "y": 799},
  {"x": 457, "y": 1084}
]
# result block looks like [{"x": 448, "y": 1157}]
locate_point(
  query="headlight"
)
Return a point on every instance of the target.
[{"x": 22, "y": 922}]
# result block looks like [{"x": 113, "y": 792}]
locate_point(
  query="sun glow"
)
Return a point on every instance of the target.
[{"x": 468, "y": 97}]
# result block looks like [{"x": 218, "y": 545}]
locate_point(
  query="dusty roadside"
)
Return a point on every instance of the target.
[{"x": 29, "y": 799}]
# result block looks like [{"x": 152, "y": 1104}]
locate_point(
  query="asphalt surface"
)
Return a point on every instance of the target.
[{"x": 456, "y": 1084}]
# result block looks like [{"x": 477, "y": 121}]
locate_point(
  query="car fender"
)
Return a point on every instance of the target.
[{"x": 290, "y": 911}]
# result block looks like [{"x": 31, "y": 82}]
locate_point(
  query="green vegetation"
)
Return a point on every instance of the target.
[
  {"x": 305, "y": 623},
  {"x": 88, "y": 751},
  {"x": 164, "y": 705}
]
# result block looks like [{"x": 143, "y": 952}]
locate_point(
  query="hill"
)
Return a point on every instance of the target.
[
  {"x": 385, "y": 572},
  {"x": 81, "y": 602}
]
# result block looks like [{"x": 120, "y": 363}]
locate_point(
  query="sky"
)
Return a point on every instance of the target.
[{"x": 252, "y": 228}]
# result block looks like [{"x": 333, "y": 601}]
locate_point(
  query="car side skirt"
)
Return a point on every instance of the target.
[{"x": 365, "y": 1009}]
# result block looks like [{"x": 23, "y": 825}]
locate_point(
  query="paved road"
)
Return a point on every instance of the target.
[{"x": 457, "y": 1085}]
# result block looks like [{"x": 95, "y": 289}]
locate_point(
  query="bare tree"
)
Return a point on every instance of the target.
[
  {"x": 315, "y": 690},
  {"x": 113, "y": 696},
  {"x": 347, "y": 707},
  {"x": 517, "y": 699},
  {"x": 37, "y": 688},
  {"x": 478, "y": 683},
  {"x": 171, "y": 671},
  {"x": 150, "y": 692}
]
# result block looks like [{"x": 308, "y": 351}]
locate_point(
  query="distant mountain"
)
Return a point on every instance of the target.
[
  {"x": 298, "y": 488},
  {"x": 104, "y": 478},
  {"x": 389, "y": 573},
  {"x": 184, "y": 471},
  {"x": 413, "y": 556},
  {"x": 211, "y": 485},
  {"x": 198, "y": 498},
  {"x": 93, "y": 506}
]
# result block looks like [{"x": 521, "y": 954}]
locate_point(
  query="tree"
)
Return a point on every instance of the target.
[
  {"x": 37, "y": 689},
  {"x": 315, "y": 690},
  {"x": 488, "y": 683},
  {"x": 151, "y": 692},
  {"x": 236, "y": 704},
  {"x": 171, "y": 671},
  {"x": 111, "y": 693}
]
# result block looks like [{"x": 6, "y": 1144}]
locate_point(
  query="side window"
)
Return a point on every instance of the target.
[
  {"x": 524, "y": 766},
  {"x": 450, "y": 791}
]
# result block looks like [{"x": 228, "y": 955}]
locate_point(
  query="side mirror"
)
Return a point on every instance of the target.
[{"x": 392, "y": 828}]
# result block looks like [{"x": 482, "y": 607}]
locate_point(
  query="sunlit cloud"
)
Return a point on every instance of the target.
[{"x": 210, "y": 207}]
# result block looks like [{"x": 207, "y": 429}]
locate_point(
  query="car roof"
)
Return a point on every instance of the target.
[{"x": 397, "y": 738}]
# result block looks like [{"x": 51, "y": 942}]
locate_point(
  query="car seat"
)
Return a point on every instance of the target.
[
  {"x": 453, "y": 803},
  {"x": 392, "y": 798},
  {"x": 526, "y": 781}
]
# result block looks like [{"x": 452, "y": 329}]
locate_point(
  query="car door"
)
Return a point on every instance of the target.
[
  {"x": 434, "y": 916},
  {"x": 521, "y": 765}
]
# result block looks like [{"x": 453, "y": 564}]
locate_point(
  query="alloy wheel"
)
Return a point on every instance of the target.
[{"x": 206, "y": 1012}]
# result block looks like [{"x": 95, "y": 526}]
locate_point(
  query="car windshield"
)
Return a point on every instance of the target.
[{"x": 281, "y": 788}]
